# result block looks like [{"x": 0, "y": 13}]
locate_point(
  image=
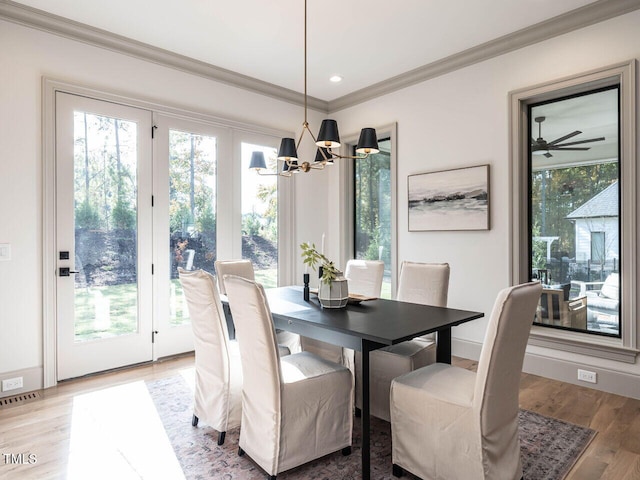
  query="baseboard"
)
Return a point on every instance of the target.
[
  {"x": 32, "y": 379},
  {"x": 610, "y": 381}
]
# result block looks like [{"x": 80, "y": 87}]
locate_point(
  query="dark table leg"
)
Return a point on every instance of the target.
[
  {"x": 443, "y": 348},
  {"x": 230, "y": 326},
  {"x": 366, "y": 418}
]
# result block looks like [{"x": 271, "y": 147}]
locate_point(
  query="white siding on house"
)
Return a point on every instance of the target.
[{"x": 584, "y": 227}]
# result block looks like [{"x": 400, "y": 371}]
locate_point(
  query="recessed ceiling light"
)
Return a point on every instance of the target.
[{"x": 335, "y": 79}]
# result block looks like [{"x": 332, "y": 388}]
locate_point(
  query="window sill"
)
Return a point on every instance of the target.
[{"x": 602, "y": 347}]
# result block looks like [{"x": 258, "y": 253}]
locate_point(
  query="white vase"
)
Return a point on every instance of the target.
[{"x": 334, "y": 294}]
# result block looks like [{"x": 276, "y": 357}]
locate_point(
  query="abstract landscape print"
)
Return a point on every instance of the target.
[{"x": 455, "y": 199}]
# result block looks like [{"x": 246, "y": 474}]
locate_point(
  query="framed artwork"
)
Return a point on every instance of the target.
[{"x": 455, "y": 199}]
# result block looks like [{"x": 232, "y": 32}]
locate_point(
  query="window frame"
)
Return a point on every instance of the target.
[
  {"x": 347, "y": 198},
  {"x": 624, "y": 348}
]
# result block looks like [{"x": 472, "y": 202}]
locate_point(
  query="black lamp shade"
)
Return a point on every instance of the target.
[
  {"x": 327, "y": 156},
  {"x": 287, "y": 150},
  {"x": 368, "y": 142},
  {"x": 328, "y": 135},
  {"x": 257, "y": 160}
]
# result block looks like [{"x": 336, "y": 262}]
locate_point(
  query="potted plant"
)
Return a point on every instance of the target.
[{"x": 333, "y": 291}]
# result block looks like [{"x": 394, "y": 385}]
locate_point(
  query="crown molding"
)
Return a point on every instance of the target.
[
  {"x": 573, "y": 20},
  {"x": 47, "y": 22}
]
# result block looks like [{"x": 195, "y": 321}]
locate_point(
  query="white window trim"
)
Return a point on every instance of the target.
[
  {"x": 49, "y": 88},
  {"x": 622, "y": 349}
]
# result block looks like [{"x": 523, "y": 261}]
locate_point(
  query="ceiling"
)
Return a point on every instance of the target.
[
  {"x": 364, "y": 41},
  {"x": 594, "y": 116}
]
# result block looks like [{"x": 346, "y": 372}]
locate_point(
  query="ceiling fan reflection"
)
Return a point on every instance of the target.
[{"x": 540, "y": 146}]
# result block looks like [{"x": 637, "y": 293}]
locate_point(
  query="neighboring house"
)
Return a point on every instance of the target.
[{"x": 596, "y": 223}]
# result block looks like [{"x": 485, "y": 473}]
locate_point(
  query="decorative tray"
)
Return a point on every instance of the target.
[{"x": 354, "y": 298}]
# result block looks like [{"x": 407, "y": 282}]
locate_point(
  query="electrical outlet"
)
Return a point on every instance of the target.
[
  {"x": 587, "y": 376},
  {"x": 11, "y": 384}
]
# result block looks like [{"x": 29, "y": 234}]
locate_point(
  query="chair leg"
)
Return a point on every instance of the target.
[
  {"x": 240, "y": 452},
  {"x": 397, "y": 471},
  {"x": 346, "y": 451},
  {"x": 221, "y": 436},
  {"x": 194, "y": 421}
]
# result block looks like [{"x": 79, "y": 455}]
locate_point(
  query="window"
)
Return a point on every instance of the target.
[
  {"x": 574, "y": 200},
  {"x": 372, "y": 210},
  {"x": 561, "y": 197},
  {"x": 598, "y": 253},
  {"x": 260, "y": 215}
]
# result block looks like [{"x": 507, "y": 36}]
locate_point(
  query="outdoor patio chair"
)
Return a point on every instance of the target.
[{"x": 603, "y": 302}]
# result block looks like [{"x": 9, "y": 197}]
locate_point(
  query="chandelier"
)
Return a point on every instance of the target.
[{"x": 328, "y": 138}]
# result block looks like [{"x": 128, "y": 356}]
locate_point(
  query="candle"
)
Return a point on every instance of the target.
[{"x": 322, "y": 250}]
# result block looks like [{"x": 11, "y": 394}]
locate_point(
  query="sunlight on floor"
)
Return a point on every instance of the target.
[
  {"x": 116, "y": 433},
  {"x": 189, "y": 375}
]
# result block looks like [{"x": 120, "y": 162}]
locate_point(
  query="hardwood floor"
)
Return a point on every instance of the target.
[
  {"x": 614, "y": 454},
  {"x": 51, "y": 428}
]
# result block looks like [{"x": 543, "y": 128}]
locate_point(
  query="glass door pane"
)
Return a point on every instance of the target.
[
  {"x": 260, "y": 216},
  {"x": 192, "y": 211},
  {"x": 105, "y": 200}
]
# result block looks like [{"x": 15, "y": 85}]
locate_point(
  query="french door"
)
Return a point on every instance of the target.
[
  {"x": 103, "y": 235},
  {"x": 139, "y": 194},
  {"x": 186, "y": 219}
]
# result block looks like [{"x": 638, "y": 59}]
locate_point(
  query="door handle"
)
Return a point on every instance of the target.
[{"x": 65, "y": 271}]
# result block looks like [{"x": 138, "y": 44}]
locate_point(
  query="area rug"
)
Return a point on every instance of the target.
[{"x": 549, "y": 447}]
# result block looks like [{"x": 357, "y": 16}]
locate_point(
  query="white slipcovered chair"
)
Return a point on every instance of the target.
[
  {"x": 218, "y": 373},
  {"x": 449, "y": 422},
  {"x": 244, "y": 268},
  {"x": 364, "y": 277},
  {"x": 424, "y": 283},
  {"x": 294, "y": 409}
]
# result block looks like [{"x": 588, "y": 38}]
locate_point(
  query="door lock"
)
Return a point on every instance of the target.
[{"x": 66, "y": 271}]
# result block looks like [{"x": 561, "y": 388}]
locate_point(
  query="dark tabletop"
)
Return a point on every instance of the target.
[{"x": 382, "y": 321}]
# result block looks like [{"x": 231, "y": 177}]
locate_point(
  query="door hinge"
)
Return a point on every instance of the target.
[
  {"x": 152, "y": 200},
  {"x": 153, "y": 131},
  {"x": 152, "y": 269},
  {"x": 153, "y": 336}
]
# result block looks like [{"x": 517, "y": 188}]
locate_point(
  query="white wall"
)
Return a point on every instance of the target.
[
  {"x": 26, "y": 55},
  {"x": 462, "y": 119}
]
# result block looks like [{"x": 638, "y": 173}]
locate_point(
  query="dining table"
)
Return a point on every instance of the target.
[{"x": 364, "y": 326}]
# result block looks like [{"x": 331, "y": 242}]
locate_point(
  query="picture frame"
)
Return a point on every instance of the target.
[{"x": 455, "y": 199}]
